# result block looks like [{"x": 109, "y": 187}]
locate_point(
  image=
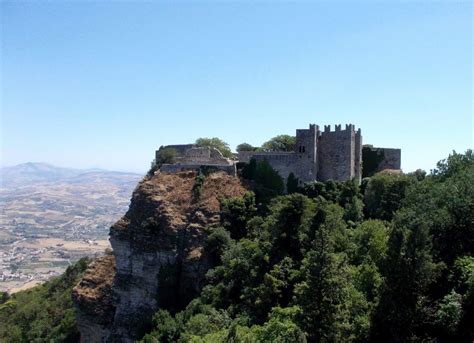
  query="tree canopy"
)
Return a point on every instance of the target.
[
  {"x": 217, "y": 143},
  {"x": 280, "y": 143},
  {"x": 246, "y": 147}
]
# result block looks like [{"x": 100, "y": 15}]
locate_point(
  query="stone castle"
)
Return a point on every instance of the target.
[{"x": 317, "y": 156}]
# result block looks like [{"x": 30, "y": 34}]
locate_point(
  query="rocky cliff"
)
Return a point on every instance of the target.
[{"x": 158, "y": 258}]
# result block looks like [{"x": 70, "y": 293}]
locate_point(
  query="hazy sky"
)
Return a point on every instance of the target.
[{"x": 103, "y": 84}]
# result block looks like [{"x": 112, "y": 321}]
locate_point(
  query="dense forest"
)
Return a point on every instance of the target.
[{"x": 390, "y": 260}]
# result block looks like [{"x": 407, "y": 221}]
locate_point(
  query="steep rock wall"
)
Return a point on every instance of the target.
[
  {"x": 93, "y": 296},
  {"x": 158, "y": 251}
]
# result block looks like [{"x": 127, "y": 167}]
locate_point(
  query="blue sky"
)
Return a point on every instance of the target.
[{"x": 103, "y": 84}]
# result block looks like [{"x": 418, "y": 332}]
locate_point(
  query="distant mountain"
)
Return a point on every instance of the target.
[{"x": 29, "y": 174}]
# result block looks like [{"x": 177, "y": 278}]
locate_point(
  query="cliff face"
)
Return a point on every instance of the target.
[
  {"x": 158, "y": 253},
  {"x": 93, "y": 295}
]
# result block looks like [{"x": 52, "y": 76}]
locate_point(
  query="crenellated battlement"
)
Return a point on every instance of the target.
[{"x": 338, "y": 128}]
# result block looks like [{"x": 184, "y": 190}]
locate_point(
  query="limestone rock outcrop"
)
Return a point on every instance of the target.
[
  {"x": 93, "y": 296},
  {"x": 158, "y": 253}
]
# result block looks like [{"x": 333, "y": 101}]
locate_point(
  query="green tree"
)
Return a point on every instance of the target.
[
  {"x": 350, "y": 199},
  {"x": 217, "y": 143},
  {"x": 249, "y": 169},
  {"x": 44, "y": 313},
  {"x": 449, "y": 313},
  {"x": 216, "y": 243},
  {"x": 288, "y": 225},
  {"x": 245, "y": 147},
  {"x": 370, "y": 241},
  {"x": 281, "y": 327},
  {"x": 236, "y": 212},
  {"x": 466, "y": 331},
  {"x": 462, "y": 279},
  {"x": 384, "y": 194},
  {"x": 408, "y": 270},
  {"x": 232, "y": 285},
  {"x": 167, "y": 329},
  {"x": 166, "y": 155},
  {"x": 268, "y": 183},
  {"x": 280, "y": 143},
  {"x": 454, "y": 164},
  {"x": 323, "y": 296},
  {"x": 291, "y": 184},
  {"x": 444, "y": 201},
  {"x": 268, "y": 178}
]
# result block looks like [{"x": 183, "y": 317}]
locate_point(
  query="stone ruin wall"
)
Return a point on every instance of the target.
[
  {"x": 204, "y": 155},
  {"x": 246, "y": 156},
  {"x": 284, "y": 163},
  {"x": 392, "y": 159},
  {"x": 175, "y": 168},
  {"x": 190, "y": 157},
  {"x": 179, "y": 148}
]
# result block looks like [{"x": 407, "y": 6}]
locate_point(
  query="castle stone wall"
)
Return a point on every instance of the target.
[
  {"x": 246, "y": 156},
  {"x": 392, "y": 159},
  {"x": 378, "y": 159},
  {"x": 318, "y": 155},
  {"x": 203, "y": 155},
  {"x": 306, "y": 168},
  {"x": 358, "y": 156},
  {"x": 179, "y": 148},
  {"x": 178, "y": 167},
  {"x": 283, "y": 163}
]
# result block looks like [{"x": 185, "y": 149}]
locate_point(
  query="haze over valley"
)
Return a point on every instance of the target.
[{"x": 51, "y": 216}]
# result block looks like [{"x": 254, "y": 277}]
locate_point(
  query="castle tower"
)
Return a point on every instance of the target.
[
  {"x": 340, "y": 153},
  {"x": 358, "y": 156},
  {"x": 307, "y": 155}
]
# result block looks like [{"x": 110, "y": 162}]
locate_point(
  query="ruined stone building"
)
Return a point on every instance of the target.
[
  {"x": 318, "y": 155},
  {"x": 188, "y": 156}
]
